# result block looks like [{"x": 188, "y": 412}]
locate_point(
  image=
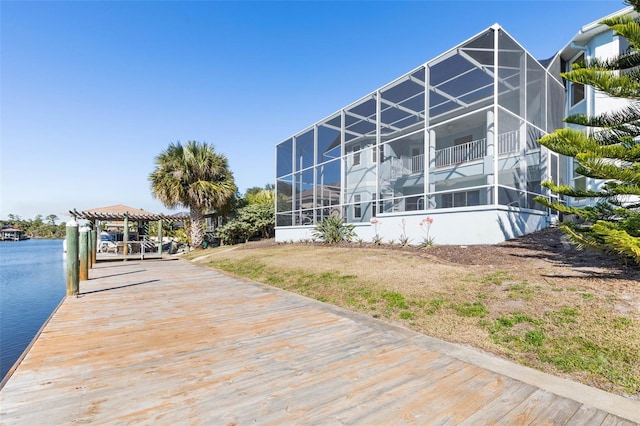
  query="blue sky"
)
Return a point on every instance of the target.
[{"x": 92, "y": 91}]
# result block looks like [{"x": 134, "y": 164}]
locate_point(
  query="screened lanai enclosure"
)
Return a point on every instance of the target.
[{"x": 455, "y": 139}]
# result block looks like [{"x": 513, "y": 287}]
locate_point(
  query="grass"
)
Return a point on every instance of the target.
[
  {"x": 497, "y": 278},
  {"x": 434, "y": 305},
  {"x": 472, "y": 309},
  {"x": 394, "y": 299},
  {"x": 513, "y": 312}
]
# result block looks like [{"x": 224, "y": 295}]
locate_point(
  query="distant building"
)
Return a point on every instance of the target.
[{"x": 12, "y": 234}]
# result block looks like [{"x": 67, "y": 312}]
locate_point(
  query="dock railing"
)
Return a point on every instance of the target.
[{"x": 143, "y": 247}]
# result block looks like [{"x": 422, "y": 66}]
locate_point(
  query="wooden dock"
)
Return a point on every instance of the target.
[{"x": 170, "y": 342}]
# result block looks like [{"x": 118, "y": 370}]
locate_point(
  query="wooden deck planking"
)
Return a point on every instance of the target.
[
  {"x": 492, "y": 412},
  {"x": 587, "y": 415},
  {"x": 169, "y": 342},
  {"x": 611, "y": 420}
]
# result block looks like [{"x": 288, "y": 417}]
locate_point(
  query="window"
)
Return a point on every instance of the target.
[
  {"x": 577, "y": 90},
  {"x": 473, "y": 198},
  {"x": 577, "y": 93},
  {"x": 374, "y": 155},
  {"x": 414, "y": 203},
  {"x": 357, "y": 208},
  {"x": 447, "y": 201},
  {"x": 356, "y": 155},
  {"x": 374, "y": 210},
  {"x": 460, "y": 199}
]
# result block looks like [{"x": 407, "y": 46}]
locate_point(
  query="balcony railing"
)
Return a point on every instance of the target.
[
  {"x": 462, "y": 153},
  {"x": 459, "y": 154},
  {"x": 508, "y": 142},
  {"x": 475, "y": 150},
  {"x": 417, "y": 163}
]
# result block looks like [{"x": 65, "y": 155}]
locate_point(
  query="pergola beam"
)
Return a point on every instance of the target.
[{"x": 86, "y": 215}]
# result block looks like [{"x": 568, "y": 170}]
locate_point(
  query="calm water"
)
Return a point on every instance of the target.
[{"x": 32, "y": 284}]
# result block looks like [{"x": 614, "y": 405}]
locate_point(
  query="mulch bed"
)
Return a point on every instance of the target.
[{"x": 549, "y": 245}]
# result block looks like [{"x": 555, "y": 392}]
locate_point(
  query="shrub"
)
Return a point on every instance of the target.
[
  {"x": 333, "y": 230},
  {"x": 234, "y": 231}
]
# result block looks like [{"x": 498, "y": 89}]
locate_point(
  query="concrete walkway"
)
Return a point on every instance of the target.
[{"x": 170, "y": 342}]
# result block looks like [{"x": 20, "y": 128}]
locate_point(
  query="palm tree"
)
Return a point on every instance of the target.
[{"x": 196, "y": 177}]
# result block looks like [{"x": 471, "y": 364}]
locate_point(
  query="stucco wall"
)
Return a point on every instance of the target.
[{"x": 463, "y": 227}]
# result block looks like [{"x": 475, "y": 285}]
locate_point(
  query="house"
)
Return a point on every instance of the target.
[
  {"x": 593, "y": 40},
  {"x": 454, "y": 140},
  {"x": 9, "y": 233}
]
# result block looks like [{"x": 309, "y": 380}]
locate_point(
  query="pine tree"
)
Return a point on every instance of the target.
[{"x": 608, "y": 148}]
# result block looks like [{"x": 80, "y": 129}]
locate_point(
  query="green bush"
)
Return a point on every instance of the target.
[
  {"x": 333, "y": 230},
  {"x": 235, "y": 231},
  {"x": 252, "y": 220}
]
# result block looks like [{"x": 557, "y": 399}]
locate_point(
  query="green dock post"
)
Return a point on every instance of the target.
[
  {"x": 125, "y": 235},
  {"x": 83, "y": 243},
  {"x": 93, "y": 246},
  {"x": 160, "y": 237},
  {"x": 73, "y": 265}
]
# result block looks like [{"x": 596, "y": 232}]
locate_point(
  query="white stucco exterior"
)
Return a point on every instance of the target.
[{"x": 464, "y": 227}]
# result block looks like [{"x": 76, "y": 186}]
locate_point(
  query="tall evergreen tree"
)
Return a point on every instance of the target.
[
  {"x": 608, "y": 148},
  {"x": 196, "y": 177}
]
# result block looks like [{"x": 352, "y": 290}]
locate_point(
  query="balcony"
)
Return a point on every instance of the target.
[
  {"x": 462, "y": 153},
  {"x": 459, "y": 154},
  {"x": 476, "y": 150}
]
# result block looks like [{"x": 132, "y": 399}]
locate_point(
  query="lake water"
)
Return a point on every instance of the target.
[{"x": 32, "y": 284}]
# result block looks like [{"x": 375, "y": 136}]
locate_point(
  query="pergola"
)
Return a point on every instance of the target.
[
  {"x": 125, "y": 214},
  {"x": 121, "y": 212}
]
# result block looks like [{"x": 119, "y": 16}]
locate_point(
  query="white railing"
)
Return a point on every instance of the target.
[
  {"x": 417, "y": 163},
  {"x": 458, "y": 154},
  {"x": 475, "y": 150},
  {"x": 134, "y": 248},
  {"x": 462, "y": 153},
  {"x": 509, "y": 142}
]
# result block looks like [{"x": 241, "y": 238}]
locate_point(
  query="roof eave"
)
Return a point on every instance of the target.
[{"x": 589, "y": 31}]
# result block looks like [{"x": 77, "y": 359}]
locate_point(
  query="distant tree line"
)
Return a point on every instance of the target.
[{"x": 38, "y": 227}]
